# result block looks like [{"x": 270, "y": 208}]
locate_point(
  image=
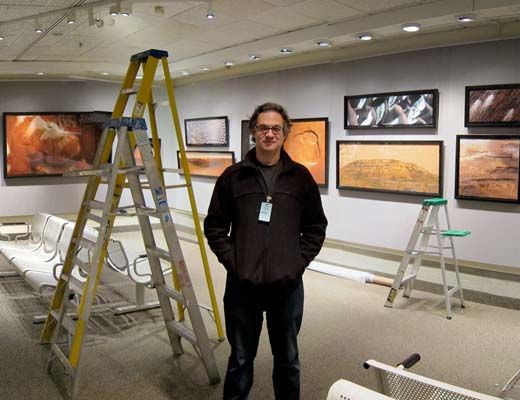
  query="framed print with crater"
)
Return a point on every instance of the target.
[
  {"x": 207, "y": 163},
  {"x": 410, "y": 109},
  {"x": 492, "y": 106},
  {"x": 487, "y": 168},
  {"x": 307, "y": 144},
  {"x": 208, "y": 131},
  {"x": 404, "y": 167},
  {"x": 50, "y": 143}
]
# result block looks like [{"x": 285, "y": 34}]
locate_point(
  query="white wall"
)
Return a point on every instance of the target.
[
  {"x": 25, "y": 196},
  {"x": 384, "y": 220}
]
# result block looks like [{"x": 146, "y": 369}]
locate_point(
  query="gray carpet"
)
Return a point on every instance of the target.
[{"x": 345, "y": 323}]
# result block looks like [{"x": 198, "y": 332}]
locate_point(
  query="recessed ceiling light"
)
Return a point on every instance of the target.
[
  {"x": 185, "y": 73},
  {"x": 104, "y": 73},
  {"x": 229, "y": 63},
  {"x": 254, "y": 57},
  {"x": 40, "y": 73},
  {"x": 210, "y": 15},
  {"x": 411, "y": 27},
  {"x": 2, "y": 37},
  {"x": 324, "y": 43},
  {"x": 365, "y": 36},
  {"x": 38, "y": 30},
  {"x": 286, "y": 50},
  {"x": 204, "y": 68},
  {"x": 466, "y": 18}
]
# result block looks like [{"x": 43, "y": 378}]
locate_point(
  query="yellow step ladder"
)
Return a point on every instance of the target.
[
  {"x": 428, "y": 225},
  {"x": 129, "y": 132}
]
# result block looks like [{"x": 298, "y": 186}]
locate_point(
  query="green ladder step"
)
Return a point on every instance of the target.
[
  {"x": 435, "y": 202},
  {"x": 457, "y": 233}
]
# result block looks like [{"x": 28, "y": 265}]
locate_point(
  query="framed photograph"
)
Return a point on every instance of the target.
[
  {"x": 412, "y": 109},
  {"x": 50, "y": 143},
  {"x": 307, "y": 144},
  {"x": 247, "y": 140},
  {"x": 137, "y": 153},
  {"x": 210, "y": 131},
  {"x": 208, "y": 163},
  {"x": 492, "y": 105},
  {"x": 405, "y": 167},
  {"x": 487, "y": 168}
]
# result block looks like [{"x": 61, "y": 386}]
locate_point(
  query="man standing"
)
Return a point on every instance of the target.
[{"x": 265, "y": 224}]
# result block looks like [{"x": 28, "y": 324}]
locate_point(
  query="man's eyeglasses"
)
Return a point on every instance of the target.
[{"x": 263, "y": 129}]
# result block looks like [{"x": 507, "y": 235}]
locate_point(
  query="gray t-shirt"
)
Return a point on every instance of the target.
[{"x": 270, "y": 174}]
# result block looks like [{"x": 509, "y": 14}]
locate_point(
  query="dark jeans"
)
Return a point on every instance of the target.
[{"x": 244, "y": 306}]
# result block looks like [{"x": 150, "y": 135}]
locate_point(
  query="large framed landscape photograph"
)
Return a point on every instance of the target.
[
  {"x": 410, "y": 109},
  {"x": 405, "y": 167},
  {"x": 307, "y": 144},
  {"x": 208, "y": 131},
  {"x": 492, "y": 106},
  {"x": 50, "y": 143},
  {"x": 487, "y": 168},
  {"x": 207, "y": 163}
]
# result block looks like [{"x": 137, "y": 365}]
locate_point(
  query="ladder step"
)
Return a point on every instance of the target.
[
  {"x": 142, "y": 210},
  {"x": 131, "y": 170},
  {"x": 408, "y": 278},
  {"x": 96, "y": 205},
  {"x": 88, "y": 244},
  {"x": 184, "y": 185},
  {"x": 88, "y": 172},
  {"x": 95, "y": 218},
  {"x": 67, "y": 322},
  {"x": 182, "y": 330},
  {"x": 155, "y": 251},
  {"x": 63, "y": 359},
  {"x": 172, "y": 293},
  {"x": 453, "y": 290},
  {"x": 85, "y": 266},
  {"x": 129, "y": 90},
  {"x": 456, "y": 233}
]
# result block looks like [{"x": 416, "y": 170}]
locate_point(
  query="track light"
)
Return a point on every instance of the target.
[
  {"x": 210, "y": 14},
  {"x": 126, "y": 9},
  {"x": 37, "y": 26},
  {"x": 71, "y": 18},
  {"x": 99, "y": 22},
  {"x": 91, "y": 20},
  {"x": 115, "y": 9}
]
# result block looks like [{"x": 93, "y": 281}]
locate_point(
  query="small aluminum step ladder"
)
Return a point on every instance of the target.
[{"x": 428, "y": 225}]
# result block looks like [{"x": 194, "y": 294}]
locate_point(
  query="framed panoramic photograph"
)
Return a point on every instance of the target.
[
  {"x": 207, "y": 163},
  {"x": 405, "y": 167},
  {"x": 411, "y": 109},
  {"x": 246, "y": 138},
  {"x": 209, "y": 131},
  {"x": 50, "y": 143},
  {"x": 487, "y": 168},
  {"x": 492, "y": 105},
  {"x": 307, "y": 144}
]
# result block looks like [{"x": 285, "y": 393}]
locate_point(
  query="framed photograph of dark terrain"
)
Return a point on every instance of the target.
[
  {"x": 492, "y": 106},
  {"x": 405, "y": 167},
  {"x": 487, "y": 168},
  {"x": 410, "y": 109}
]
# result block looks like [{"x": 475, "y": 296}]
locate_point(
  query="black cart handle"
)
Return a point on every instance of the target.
[{"x": 409, "y": 361}]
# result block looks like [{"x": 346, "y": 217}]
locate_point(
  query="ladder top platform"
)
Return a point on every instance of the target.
[
  {"x": 149, "y": 53},
  {"x": 132, "y": 123},
  {"x": 435, "y": 202},
  {"x": 457, "y": 233}
]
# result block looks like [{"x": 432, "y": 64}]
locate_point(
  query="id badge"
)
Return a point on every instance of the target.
[{"x": 265, "y": 212}]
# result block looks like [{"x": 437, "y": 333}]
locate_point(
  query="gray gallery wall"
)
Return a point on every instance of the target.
[
  {"x": 25, "y": 196},
  {"x": 384, "y": 220}
]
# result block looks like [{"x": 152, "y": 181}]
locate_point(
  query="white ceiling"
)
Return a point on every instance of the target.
[{"x": 240, "y": 28}]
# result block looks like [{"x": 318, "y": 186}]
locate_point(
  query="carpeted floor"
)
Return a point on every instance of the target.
[{"x": 129, "y": 357}]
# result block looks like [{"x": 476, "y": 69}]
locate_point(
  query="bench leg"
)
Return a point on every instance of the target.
[{"x": 139, "y": 305}]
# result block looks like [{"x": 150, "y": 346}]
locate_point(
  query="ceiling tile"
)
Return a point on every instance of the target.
[
  {"x": 377, "y": 5},
  {"x": 197, "y": 16},
  {"x": 285, "y": 18},
  {"x": 241, "y": 8},
  {"x": 326, "y": 10},
  {"x": 282, "y": 3}
]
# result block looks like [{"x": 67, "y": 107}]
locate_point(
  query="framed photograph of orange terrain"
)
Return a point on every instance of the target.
[
  {"x": 208, "y": 163},
  {"x": 487, "y": 168},
  {"x": 308, "y": 144},
  {"x": 404, "y": 167},
  {"x": 50, "y": 143}
]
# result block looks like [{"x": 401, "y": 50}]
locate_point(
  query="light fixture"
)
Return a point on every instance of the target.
[
  {"x": 466, "y": 18},
  {"x": 185, "y": 73},
  {"x": 229, "y": 63},
  {"x": 91, "y": 20},
  {"x": 411, "y": 27},
  {"x": 254, "y": 57},
  {"x": 159, "y": 10},
  {"x": 365, "y": 36},
  {"x": 209, "y": 13},
  {"x": 126, "y": 10},
  {"x": 204, "y": 68},
  {"x": 115, "y": 9},
  {"x": 40, "y": 73},
  {"x": 324, "y": 43},
  {"x": 37, "y": 26},
  {"x": 286, "y": 50},
  {"x": 71, "y": 18},
  {"x": 99, "y": 22},
  {"x": 2, "y": 37},
  {"x": 104, "y": 73}
]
